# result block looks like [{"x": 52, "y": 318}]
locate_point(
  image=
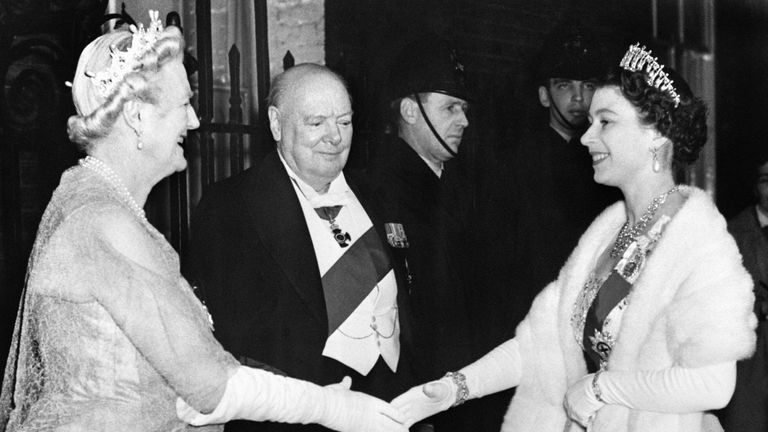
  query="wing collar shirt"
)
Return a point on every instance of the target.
[{"x": 373, "y": 328}]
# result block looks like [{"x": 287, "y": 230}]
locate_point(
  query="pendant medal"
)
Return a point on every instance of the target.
[
  {"x": 329, "y": 213},
  {"x": 341, "y": 237}
]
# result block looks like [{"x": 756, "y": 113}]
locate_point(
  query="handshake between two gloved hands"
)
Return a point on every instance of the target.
[{"x": 258, "y": 395}]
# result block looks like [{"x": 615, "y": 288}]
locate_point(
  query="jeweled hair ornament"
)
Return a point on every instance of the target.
[
  {"x": 124, "y": 62},
  {"x": 638, "y": 59}
]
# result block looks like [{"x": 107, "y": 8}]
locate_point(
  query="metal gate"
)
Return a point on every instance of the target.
[{"x": 217, "y": 143}]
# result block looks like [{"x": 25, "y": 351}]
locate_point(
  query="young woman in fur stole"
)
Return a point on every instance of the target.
[{"x": 642, "y": 329}]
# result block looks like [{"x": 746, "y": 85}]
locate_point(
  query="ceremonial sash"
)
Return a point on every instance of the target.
[{"x": 352, "y": 277}]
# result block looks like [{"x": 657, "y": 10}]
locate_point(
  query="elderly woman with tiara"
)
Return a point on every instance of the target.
[
  {"x": 642, "y": 328},
  {"x": 109, "y": 336}
]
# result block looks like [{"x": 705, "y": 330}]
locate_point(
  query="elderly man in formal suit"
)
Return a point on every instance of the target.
[{"x": 293, "y": 260}]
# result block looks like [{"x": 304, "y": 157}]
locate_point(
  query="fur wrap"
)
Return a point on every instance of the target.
[{"x": 691, "y": 306}]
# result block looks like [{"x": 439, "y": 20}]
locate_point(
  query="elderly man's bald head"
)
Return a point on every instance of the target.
[
  {"x": 284, "y": 84},
  {"x": 310, "y": 117}
]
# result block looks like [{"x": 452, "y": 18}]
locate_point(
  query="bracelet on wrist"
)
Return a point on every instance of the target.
[
  {"x": 462, "y": 391},
  {"x": 596, "y": 388}
]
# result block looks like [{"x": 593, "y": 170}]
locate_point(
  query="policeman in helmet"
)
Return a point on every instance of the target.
[
  {"x": 571, "y": 60},
  {"x": 554, "y": 194},
  {"x": 428, "y": 98}
]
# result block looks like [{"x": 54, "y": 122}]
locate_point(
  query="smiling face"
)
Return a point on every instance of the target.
[
  {"x": 168, "y": 121},
  {"x": 313, "y": 128},
  {"x": 617, "y": 141}
]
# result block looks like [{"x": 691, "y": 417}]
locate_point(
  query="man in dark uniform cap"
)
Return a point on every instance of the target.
[
  {"x": 546, "y": 197},
  {"x": 429, "y": 100},
  {"x": 552, "y": 172},
  {"x": 428, "y": 96},
  {"x": 571, "y": 61}
]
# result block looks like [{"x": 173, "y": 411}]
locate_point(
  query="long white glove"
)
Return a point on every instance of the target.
[
  {"x": 498, "y": 370},
  {"x": 580, "y": 402},
  {"x": 258, "y": 395},
  {"x": 426, "y": 400},
  {"x": 672, "y": 390}
]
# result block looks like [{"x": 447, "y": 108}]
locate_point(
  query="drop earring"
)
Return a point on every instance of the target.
[
  {"x": 139, "y": 145},
  {"x": 656, "y": 163}
]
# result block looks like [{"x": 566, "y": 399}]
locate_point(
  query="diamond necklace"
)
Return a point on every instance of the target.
[
  {"x": 106, "y": 172},
  {"x": 627, "y": 235}
]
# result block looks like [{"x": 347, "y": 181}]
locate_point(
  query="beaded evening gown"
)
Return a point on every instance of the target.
[
  {"x": 101, "y": 342},
  {"x": 600, "y": 307}
]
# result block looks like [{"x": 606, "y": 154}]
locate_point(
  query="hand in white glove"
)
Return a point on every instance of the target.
[
  {"x": 426, "y": 400},
  {"x": 350, "y": 411},
  {"x": 580, "y": 402},
  {"x": 344, "y": 384},
  {"x": 258, "y": 395}
]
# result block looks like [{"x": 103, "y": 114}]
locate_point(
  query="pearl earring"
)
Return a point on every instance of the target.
[
  {"x": 656, "y": 162},
  {"x": 139, "y": 145}
]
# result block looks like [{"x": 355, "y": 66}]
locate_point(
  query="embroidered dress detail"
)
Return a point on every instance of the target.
[
  {"x": 602, "y": 344},
  {"x": 583, "y": 302},
  {"x": 99, "y": 167},
  {"x": 603, "y": 341},
  {"x": 600, "y": 306},
  {"x": 101, "y": 338}
]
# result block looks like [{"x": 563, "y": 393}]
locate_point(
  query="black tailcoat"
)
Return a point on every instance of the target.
[{"x": 254, "y": 265}]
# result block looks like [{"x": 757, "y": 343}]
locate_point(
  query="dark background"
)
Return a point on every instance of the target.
[{"x": 497, "y": 41}]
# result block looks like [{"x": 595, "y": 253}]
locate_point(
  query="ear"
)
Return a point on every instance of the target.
[
  {"x": 409, "y": 110},
  {"x": 544, "y": 97},
  {"x": 132, "y": 114},
  {"x": 274, "y": 122},
  {"x": 664, "y": 147},
  {"x": 658, "y": 141}
]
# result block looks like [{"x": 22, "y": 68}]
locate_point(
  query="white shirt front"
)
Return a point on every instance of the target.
[{"x": 373, "y": 327}]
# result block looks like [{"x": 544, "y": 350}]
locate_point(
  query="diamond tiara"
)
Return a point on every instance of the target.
[
  {"x": 123, "y": 62},
  {"x": 638, "y": 59}
]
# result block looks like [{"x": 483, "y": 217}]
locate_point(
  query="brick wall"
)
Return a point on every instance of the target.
[{"x": 297, "y": 26}]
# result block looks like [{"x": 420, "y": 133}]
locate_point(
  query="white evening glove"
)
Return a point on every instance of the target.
[
  {"x": 674, "y": 390},
  {"x": 258, "y": 395},
  {"x": 498, "y": 370},
  {"x": 580, "y": 402},
  {"x": 426, "y": 400}
]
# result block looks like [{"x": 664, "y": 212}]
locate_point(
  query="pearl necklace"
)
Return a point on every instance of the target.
[
  {"x": 627, "y": 235},
  {"x": 106, "y": 172}
]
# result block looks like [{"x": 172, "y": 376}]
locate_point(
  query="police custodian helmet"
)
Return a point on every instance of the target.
[
  {"x": 571, "y": 52},
  {"x": 428, "y": 64}
]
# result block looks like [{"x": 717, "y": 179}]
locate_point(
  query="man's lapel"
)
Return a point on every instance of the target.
[{"x": 279, "y": 224}]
